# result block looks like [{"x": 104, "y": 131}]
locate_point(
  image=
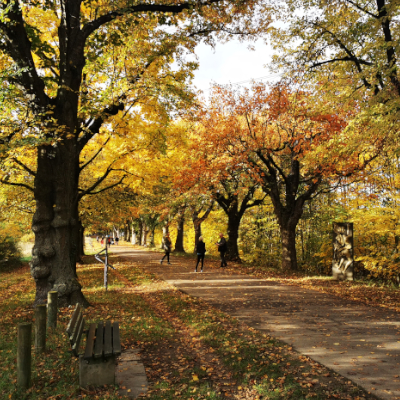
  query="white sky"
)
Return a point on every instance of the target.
[{"x": 232, "y": 62}]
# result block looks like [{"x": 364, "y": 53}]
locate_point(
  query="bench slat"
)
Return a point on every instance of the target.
[
  {"x": 116, "y": 340},
  {"x": 79, "y": 331},
  {"x": 75, "y": 332},
  {"x": 90, "y": 342},
  {"x": 71, "y": 324},
  {"x": 98, "y": 348},
  {"x": 108, "y": 340}
]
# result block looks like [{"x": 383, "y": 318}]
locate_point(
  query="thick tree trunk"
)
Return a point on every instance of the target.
[
  {"x": 55, "y": 224},
  {"x": 180, "y": 235},
  {"x": 233, "y": 235},
  {"x": 289, "y": 256}
]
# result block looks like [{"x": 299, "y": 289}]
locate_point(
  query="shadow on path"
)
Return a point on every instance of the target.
[{"x": 359, "y": 342}]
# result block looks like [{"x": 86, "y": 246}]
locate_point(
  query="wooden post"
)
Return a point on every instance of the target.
[
  {"x": 40, "y": 328},
  {"x": 52, "y": 308},
  {"x": 24, "y": 355}
]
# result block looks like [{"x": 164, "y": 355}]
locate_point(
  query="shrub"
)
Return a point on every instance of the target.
[{"x": 10, "y": 255}]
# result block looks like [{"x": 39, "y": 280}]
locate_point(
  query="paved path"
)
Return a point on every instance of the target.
[{"x": 360, "y": 342}]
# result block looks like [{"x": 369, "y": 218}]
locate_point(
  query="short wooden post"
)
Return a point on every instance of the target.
[
  {"x": 40, "y": 328},
  {"x": 52, "y": 308},
  {"x": 24, "y": 355}
]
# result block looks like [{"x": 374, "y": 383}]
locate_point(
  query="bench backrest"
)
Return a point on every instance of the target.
[{"x": 75, "y": 329}]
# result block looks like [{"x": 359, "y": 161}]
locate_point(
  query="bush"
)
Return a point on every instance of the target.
[{"x": 10, "y": 255}]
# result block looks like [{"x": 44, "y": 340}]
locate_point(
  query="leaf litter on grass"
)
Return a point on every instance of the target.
[{"x": 190, "y": 350}]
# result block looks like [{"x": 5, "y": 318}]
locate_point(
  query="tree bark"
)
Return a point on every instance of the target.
[
  {"x": 81, "y": 242},
  {"x": 55, "y": 224},
  {"x": 151, "y": 240},
  {"x": 233, "y": 235},
  {"x": 180, "y": 235},
  {"x": 289, "y": 255}
]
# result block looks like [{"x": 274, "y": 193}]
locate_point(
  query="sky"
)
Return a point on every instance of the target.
[{"x": 232, "y": 62}]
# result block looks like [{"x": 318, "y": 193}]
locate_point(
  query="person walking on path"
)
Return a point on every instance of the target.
[
  {"x": 109, "y": 241},
  {"x": 222, "y": 248},
  {"x": 167, "y": 248},
  {"x": 201, "y": 251},
  {"x": 117, "y": 240}
]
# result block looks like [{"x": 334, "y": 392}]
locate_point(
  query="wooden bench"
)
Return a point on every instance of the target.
[{"x": 103, "y": 345}]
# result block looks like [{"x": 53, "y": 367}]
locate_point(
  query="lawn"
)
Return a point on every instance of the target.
[{"x": 190, "y": 350}]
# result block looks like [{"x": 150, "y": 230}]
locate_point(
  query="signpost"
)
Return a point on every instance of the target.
[{"x": 106, "y": 264}]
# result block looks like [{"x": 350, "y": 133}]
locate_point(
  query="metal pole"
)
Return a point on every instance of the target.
[{"x": 105, "y": 268}]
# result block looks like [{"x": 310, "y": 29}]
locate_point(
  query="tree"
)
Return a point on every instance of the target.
[
  {"x": 211, "y": 171},
  {"x": 290, "y": 149},
  {"x": 349, "y": 46},
  {"x": 70, "y": 67}
]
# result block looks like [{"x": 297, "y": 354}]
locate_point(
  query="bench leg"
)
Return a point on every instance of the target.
[{"x": 96, "y": 372}]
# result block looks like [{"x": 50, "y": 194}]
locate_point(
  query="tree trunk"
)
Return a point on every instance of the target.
[
  {"x": 140, "y": 233},
  {"x": 180, "y": 235},
  {"x": 165, "y": 231},
  {"x": 145, "y": 232},
  {"x": 233, "y": 235},
  {"x": 127, "y": 233},
  {"x": 55, "y": 224},
  {"x": 152, "y": 244},
  {"x": 289, "y": 256},
  {"x": 81, "y": 242},
  {"x": 197, "y": 232}
]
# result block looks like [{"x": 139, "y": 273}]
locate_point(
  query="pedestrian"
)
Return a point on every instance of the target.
[
  {"x": 222, "y": 248},
  {"x": 109, "y": 241},
  {"x": 167, "y": 248},
  {"x": 117, "y": 240},
  {"x": 201, "y": 251},
  {"x": 102, "y": 241}
]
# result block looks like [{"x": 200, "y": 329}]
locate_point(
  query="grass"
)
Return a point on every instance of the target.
[{"x": 190, "y": 350}]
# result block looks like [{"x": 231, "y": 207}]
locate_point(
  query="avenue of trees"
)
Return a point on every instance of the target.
[{"x": 101, "y": 131}]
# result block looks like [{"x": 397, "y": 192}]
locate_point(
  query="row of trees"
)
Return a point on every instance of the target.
[{"x": 97, "y": 122}]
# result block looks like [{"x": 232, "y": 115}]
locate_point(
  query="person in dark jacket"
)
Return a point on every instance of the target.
[
  {"x": 201, "y": 251},
  {"x": 167, "y": 248},
  {"x": 222, "y": 248}
]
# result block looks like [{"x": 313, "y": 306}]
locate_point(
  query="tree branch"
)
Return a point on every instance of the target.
[
  {"x": 97, "y": 183},
  {"x": 16, "y": 184},
  {"x": 90, "y": 27},
  {"x": 24, "y": 167},
  {"x": 362, "y": 9},
  {"x": 108, "y": 187},
  {"x": 18, "y": 47},
  {"x": 94, "y": 157}
]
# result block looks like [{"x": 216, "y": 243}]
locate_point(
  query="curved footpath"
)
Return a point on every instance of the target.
[{"x": 359, "y": 342}]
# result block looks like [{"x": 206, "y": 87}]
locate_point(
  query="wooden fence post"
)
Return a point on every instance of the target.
[
  {"x": 52, "y": 308},
  {"x": 24, "y": 356},
  {"x": 40, "y": 328}
]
